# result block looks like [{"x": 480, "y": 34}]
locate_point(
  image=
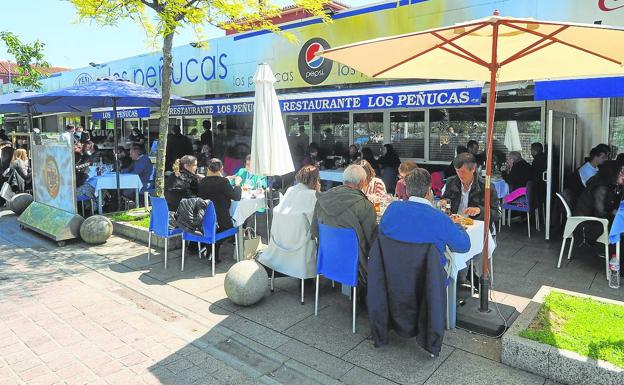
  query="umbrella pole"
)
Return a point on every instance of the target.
[
  {"x": 116, "y": 153},
  {"x": 484, "y": 282}
]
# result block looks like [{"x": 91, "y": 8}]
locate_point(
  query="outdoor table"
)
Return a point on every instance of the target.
[
  {"x": 331, "y": 175},
  {"x": 108, "y": 181},
  {"x": 459, "y": 261},
  {"x": 617, "y": 229},
  {"x": 243, "y": 209}
]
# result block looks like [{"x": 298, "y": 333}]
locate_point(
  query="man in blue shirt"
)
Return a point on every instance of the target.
[
  {"x": 141, "y": 165},
  {"x": 597, "y": 157},
  {"x": 417, "y": 221}
]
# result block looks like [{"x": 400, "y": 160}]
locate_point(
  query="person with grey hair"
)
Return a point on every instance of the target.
[
  {"x": 346, "y": 206},
  {"x": 417, "y": 221},
  {"x": 518, "y": 172}
]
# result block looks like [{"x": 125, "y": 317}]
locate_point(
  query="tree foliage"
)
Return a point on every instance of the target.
[
  {"x": 29, "y": 59},
  {"x": 168, "y": 16}
]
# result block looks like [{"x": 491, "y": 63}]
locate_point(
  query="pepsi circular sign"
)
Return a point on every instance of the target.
[{"x": 314, "y": 69}]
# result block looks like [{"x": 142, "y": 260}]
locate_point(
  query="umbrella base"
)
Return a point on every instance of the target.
[{"x": 490, "y": 323}]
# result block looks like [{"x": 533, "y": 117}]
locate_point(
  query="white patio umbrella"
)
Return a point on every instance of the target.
[
  {"x": 512, "y": 136},
  {"x": 495, "y": 49},
  {"x": 270, "y": 154}
]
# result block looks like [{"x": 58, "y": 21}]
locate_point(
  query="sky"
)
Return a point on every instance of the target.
[{"x": 75, "y": 44}]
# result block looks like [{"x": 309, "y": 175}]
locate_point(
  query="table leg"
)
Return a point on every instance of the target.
[
  {"x": 137, "y": 198},
  {"x": 240, "y": 245},
  {"x": 100, "y": 203},
  {"x": 451, "y": 302}
]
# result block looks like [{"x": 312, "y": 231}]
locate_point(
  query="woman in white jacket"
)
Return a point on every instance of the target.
[{"x": 292, "y": 249}]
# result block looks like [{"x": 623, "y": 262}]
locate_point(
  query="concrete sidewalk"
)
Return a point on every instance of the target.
[{"x": 104, "y": 314}]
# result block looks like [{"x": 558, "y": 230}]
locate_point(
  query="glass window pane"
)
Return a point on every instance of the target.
[
  {"x": 368, "y": 131},
  {"x": 514, "y": 130},
  {"x": 616, "y": 124},
  {"x": 298, "y": 130},
  {"x": 331, "y": 132},
  {"x": 408, "y": 133}
]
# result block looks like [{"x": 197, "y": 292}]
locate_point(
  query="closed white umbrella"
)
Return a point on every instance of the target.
[
  {"x": 512, "y": 136},
  {"x": 270, "y": 154}
]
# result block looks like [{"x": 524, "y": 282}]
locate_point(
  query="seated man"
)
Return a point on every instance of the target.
[
  {"x": 417, "y": 221},
  {"x": 466, "y": 193},
  {"x": 597, "y": 156},
  {"x": 518, "y": 172},
  {"x": 346, "y": 206},
  {"x": 141, "y": 165}
]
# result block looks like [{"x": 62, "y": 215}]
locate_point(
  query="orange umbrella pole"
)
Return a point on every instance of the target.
[{"x": 484, "y": 282}]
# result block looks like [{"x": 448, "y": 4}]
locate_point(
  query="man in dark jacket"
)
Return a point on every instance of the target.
[
  {"x": 466, "y": 192},
  {"x": 518, "y": 173},
  {"x": 346, "y": 206},
  {"x": 218, "y": 189},
  {"x": 178, "y": 145}
]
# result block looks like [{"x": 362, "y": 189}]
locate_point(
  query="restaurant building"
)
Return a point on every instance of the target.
[{"x": 336, "y": 105}]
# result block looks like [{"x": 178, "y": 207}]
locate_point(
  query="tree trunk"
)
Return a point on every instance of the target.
[{"x": 163, "y": 124}]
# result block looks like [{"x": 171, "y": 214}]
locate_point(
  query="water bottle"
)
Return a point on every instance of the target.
[{"x": 614, "y": 272}]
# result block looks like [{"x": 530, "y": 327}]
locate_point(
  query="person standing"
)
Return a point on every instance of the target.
[
  {"x": 68, "y": 135},
  {"x": 206, "y": 136},
  {"x": 389, "y": 162},
  {"x": 178, "y": 145},
  {"x": 473, "y": 148}
]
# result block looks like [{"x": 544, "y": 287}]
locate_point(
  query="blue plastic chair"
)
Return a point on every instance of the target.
[
  {"x": 337, "y": 259},
  {"x": 82, "y": 199},
  {"x": 150, "y": 187},
  {"x": 159, "y": 225},
  {"x": 523, "y": 204},
  {"x": 210, "y": 235}
]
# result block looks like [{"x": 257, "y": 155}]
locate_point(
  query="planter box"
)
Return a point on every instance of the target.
[
  {"x": 548, "y": 361},
  {"x": 140, "y": 234}
]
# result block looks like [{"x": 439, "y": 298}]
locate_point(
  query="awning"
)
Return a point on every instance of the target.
[
  {"x": 605, "y": 87},
  {"x": 413, "y": 96}
]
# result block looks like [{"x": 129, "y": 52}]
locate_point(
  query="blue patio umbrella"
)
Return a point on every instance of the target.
[
  {"x": 105, "y": 92},
  {"x": 10, "y": 105}
]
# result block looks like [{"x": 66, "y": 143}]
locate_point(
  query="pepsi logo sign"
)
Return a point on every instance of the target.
[{"x": 314, "y": 69}]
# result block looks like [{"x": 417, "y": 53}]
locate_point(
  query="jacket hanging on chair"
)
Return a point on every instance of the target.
[{"x": 190, "y": 214}]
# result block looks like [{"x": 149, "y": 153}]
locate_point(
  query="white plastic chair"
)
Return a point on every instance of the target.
[{"x": 572, "y": 223}]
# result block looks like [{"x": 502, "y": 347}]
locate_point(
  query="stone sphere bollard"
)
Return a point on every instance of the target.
[
  {"x": 96, "y": 229},
  {"x": 246, "y": 283},
  {"x": 20, "y": 202}
]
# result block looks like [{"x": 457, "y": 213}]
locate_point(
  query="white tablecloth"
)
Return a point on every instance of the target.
[
  {"x": 108, "y": 182},
  {"x": 331, "y": 175},
  {"x": 502, "y": 188},
  {"x": 246, "y": 207},
  {"x": 459, "y": 261}
]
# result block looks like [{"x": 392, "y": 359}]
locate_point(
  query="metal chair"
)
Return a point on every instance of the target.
[
  {"x": 209, "y": 235},
  {"x": 572, "y": 223},
  {"x": 82, "y": 199},
  {"x": 159, "y": 225},
  {"x": 337, "y": 259}
]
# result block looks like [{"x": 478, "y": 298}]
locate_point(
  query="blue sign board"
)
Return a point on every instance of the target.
[
  {"x": 610, "y": 87},
  {"x": 122, "y": 114},
  {"x": 366, "y": 101}
]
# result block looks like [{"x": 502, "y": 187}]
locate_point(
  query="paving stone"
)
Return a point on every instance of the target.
[
  {"x": 359, "y": 376},
  {"x": 466, "y": 368},
  {"x": 278, "y": 311},
  {"x": 255, "y": 331},
  {"x": 389, "y": 362},
  {"x": 315, "y": 358},
  {"x": 330, "y": 331},
  {"x": 483, "y": 346}
]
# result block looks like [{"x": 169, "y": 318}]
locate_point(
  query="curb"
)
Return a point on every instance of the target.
[{"x": 548, "y": 361}]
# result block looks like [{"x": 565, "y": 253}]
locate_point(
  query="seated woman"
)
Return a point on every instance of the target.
[
  {"x": 292, "y": 249},
  {"x": 217, "y": 188},
  {"x": 182, "y": 183},
  {"x": 254, "y": 182},
  {"x": 23, "y": 173},
  {"x": 375, "y": 185},
  {"x": 600, "y": 199},
  {"x": 405, "y": 168}
]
